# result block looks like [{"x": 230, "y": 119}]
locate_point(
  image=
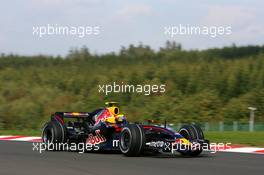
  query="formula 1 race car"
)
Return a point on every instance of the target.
[{"x": 107, "y": 129}]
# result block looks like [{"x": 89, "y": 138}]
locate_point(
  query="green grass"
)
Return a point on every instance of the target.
[
  {"x": 21, "y": 132},
  {"x": 239, "y": 138}
]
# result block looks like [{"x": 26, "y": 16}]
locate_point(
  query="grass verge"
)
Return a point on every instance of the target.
[
  {"x": 238, "y": 138},
  {"x": 21, "y": 132}
]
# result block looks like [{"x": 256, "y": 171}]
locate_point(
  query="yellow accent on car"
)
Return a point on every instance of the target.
[
  {"x": 113, "y": 110},
  {"x": 120, "y": 117},
  {"x": 185, "y": 141},
  {"x": 111, "y": 120},
  {"x": 75, "y": 113}
]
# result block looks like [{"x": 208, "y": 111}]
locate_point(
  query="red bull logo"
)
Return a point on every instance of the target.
[
  {"x": 97, "y": 139},
  {"x": 103, "y": 116}
]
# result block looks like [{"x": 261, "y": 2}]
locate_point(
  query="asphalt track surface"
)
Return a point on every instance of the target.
[{"x": 18, "y": 158}]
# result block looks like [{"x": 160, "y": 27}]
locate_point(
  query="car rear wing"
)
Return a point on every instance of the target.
[{"x": 72, "y": 114}]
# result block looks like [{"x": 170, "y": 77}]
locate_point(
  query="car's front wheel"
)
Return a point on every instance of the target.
[
  {"x": 132, "y": 140},
  {"x": 192, "y": 133}
]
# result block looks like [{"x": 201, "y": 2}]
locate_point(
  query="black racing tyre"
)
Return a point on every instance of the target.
[
  {"x": 53, "y": 134},
  {"x": 192, "y": 133},
  {"x": 199, "y": 131},
  {"x": 132, "y": 140}
]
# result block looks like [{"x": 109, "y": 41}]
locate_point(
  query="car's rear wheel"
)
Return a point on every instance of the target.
[
  {"x": 132, "y": 140},
  {"x": 53, "y": 135},
  {"x": 192, "y": 133}
]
